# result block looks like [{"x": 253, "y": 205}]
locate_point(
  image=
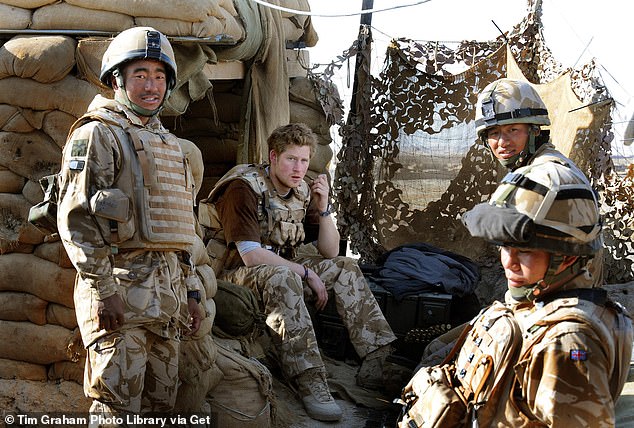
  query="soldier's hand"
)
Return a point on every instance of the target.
[
  {"x": 195, "y": 316},
  {"x": 319, "y": 190},
  {"x": 319, "y": 289},
  {"x": 110, "y": 312}
]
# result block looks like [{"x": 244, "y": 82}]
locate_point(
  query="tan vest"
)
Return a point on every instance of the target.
[
  {"x": 151, "y": 202},
  {"x": 281, "y": 219}
]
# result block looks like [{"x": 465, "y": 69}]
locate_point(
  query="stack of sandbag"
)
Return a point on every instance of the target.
[
  {"x": 216, "y": 19},
  {"x": 305, "y": 108},
  {"x": 214, "y": 127},
  {"x": 298, "y": 27},
  {"x": 39, "y": 101}
]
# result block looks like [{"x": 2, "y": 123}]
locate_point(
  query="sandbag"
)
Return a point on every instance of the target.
[
  {"x": 302, "y": 90},
  {"x": 320, "y": 160},
  {"x": 11, "y": 369},
  {"x": 28, "y": 4},
  {"x": 208, "y": 278},
  {"x": 64, "y": 16},
  {"x": 197, "y": 372},
  {"x": 14, "y": 210},
  {"x": 16, "y": 306},
  {"x": 61, "y": 315},
  {"x": 41, "y": 58},
  {"x": 12, "y": 120},
  {"x": 10, "y": 182},
  {"x": 31, "y": 274},
  {"x": 184, "y": 10},
  {"x": 70, "y": 95},
  {"x": 31, "y": 155},
  {"x": 67, "y": 370},
  {"x": 56, "y": 125},
  {"x": 39, "y": 344},
  {"x": 199, "y": 355},
  {"x": 53, "y": 252},
  {"x": 251, "y": 407},
  {"x": 194, "y": 157},
  {"x": 224, "y": 25},
  {"x": 315, "y": 119},
  {"x": 14, "y": 18}
]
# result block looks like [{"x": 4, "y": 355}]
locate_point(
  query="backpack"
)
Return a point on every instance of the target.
[{"x": 464, "y": 390}]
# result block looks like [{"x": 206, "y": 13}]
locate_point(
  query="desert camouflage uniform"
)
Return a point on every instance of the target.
[
  {"x": 576, "y": 371},
  {"x": 282, "y": 291},
  {"x": 134, "y": 368}
]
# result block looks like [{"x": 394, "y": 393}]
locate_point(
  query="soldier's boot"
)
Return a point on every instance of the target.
[
  {"x": 370, "y": 374},
  {"x": 316, "y": 396}
]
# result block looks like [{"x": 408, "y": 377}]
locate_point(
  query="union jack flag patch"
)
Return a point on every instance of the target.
[{"x": 578, "y": 355}]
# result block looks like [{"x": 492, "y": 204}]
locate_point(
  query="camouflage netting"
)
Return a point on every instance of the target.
[{"x": 411, "y": 163}]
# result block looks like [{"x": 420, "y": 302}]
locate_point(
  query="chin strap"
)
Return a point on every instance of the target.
[{"x": 537, "y": 290}]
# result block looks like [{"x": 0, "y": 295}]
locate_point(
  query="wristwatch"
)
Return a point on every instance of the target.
[
  {"x": 194, "y": 294},
  {"x": 327, "y": 212}
]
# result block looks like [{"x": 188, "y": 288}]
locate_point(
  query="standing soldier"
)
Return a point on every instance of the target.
[
  {"x": 126, "y": 218},
  {"x": 257, "y": 218}
]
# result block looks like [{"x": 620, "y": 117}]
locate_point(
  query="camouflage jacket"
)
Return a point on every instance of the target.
[
  {"x": 114, "y": 179},
  {"x": 572, "y": 367},
  {"x": 280, "y": 218}
]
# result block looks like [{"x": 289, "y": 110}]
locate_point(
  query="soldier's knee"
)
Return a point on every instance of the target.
[{"x": 283, "y": 275}]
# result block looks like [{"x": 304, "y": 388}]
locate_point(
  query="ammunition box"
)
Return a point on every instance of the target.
[{"x": 425, "y": 309}]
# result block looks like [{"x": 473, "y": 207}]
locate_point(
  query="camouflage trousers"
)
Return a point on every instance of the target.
[
  {"x": 131, "y": 371},
  {"x": 288, "y": 318}
]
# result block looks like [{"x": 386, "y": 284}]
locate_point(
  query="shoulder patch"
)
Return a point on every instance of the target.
[
  {"x": 79, "y": 147},
  {"x": 578, "y": 355}
]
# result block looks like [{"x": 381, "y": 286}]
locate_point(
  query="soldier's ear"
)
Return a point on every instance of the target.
[{"x": 567, "y": 261}]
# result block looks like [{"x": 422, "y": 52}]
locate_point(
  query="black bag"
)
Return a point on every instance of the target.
[{"x": 44, "y": 214}]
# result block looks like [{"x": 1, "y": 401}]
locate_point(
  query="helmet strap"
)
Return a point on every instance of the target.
[{"x": 535, "y": 291}]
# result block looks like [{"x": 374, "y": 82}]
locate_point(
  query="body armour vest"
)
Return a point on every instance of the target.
[
  {"x": 150, "y": 204},
  {"x": 280, "y": 217}
]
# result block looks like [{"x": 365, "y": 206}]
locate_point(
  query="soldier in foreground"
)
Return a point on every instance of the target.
[
  {"x": 257, "y": 216},
  {"x": 563, "y": 356},
  {"x": 135, "y": 292}
]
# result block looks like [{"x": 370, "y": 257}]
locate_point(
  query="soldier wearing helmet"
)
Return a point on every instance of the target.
[
  {"x": 572, "y": 345},
  {"x": 546, "y": 220},
  {"x": 509, "y": 116},
  {"x": 136, "y": 290}
]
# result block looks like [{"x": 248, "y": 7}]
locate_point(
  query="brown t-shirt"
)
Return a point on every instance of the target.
[{"x": 237, "y": 208}]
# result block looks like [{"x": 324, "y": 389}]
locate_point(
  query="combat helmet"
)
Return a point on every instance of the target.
[
  {"x": 507, "y": 101},
  {"x": 549, "y": 206},
  {"x": 138, "y": 43}
]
